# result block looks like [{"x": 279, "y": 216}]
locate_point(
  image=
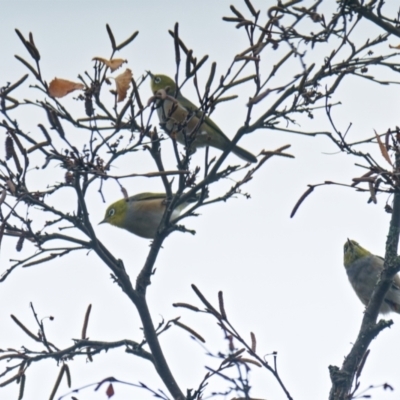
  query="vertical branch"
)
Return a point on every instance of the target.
[
  {"x": 138, "y": 298},
  {"x": 160, "y": 362},
  {"x": 342, "y": 379}
]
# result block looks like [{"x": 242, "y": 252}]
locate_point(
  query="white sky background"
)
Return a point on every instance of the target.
[{"x": 282, "y": 278}]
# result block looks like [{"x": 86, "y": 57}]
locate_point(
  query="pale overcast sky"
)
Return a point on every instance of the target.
[{"x": 282, "y": 278}]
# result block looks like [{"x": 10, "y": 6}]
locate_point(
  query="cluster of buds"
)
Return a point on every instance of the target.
[
  {"x": 81, "y": 164},
  {"x": 310, "y": 96},
  {"x": 377, "y": 176},
  {"x": 190, "y": 180},
  {"x": 87, "y": 97}
]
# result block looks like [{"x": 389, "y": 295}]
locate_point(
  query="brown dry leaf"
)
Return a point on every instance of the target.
[
  {"x": 372, "y": 192},
  {"x": 253, "y": 342},
  {"x": 123, "y": 82},
  {"x": 61, "y": 87},
  {"x": 395, "y": 47},
  {"x": 3, "y": 196},
  {"x": 383, "y": 149},
  {"x": 112, "y": 64},
  {"x": 248, "y": 360},
  {"x": 110, "y": 391}
]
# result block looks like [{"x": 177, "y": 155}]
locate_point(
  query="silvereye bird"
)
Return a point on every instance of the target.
[
  {"x": 182, "y": 117},
  {"x": 141, "y": 214},
  {"x": 363, "y": 270}
]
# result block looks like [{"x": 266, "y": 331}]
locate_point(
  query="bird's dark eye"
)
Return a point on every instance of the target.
[
  {"x": 157, "y": 79},
  {"x": 111, "y": 212}
]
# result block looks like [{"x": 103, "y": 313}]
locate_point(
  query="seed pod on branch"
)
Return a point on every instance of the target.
[
  {"x": 69, "y": 178},
  {"x": 20, "y": 243},
  {"x": 9, "y": 147}
]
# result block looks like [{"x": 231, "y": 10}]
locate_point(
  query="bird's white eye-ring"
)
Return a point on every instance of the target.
[
  {"x": 111, "y": 212},
  {"x": 157, "y": 79}
]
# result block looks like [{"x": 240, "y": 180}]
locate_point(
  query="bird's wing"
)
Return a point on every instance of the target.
[
  {"x": 392, "y": 297},
  {"x": 207, "y": 120},
  {"x": 396, "y": 279}
]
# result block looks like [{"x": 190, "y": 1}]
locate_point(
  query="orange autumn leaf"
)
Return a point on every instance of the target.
[
  {"x": 112, "y": 64},
  {"x": 123, "y": 82},
  {"x": 61, "y": 87}
]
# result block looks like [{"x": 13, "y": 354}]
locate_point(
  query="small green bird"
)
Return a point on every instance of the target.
[
  {"x": 181, "y": 117},
  {"x": 141, "y": 214},
  {"x": 363, "y": 270}
]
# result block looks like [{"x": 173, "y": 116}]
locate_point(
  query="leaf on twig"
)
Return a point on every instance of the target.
[
  {"x": 190, "y": 330},
  {"x": 58, "y": 381},
  {"x": 110, "y": 391},
  {"x": 221, "y": 305},
  {"x": 372, "y": 192},
  {"x": 248, "y": 360},
  {"x": 367, "y": 177},
  {"x": 383, "y": 149},
  {"x": 362, "y": 363},
  {"x": 395, "y": 47},
  {"x": 112, "y": 64},
  {"x": 253, "y": 342},
  {"x": 20, "y": 243},
  {"x": 185, "y": 305},
  {"x": 127, "y": 41},
  {"x": 3, "y": 196},
  {"x": 123, "y": 82},
  {"x": 111, "y": 36},
  {"x": 61, "y": 87},
  {"x": 9, "y": 147},
  {"x": 25, "y": 329},
  {"x": 11, "y": 186},
  {"x": 86, "y": 322},
  {"x": 302, "y": 198},
  {"x": 125, "y": 193}
]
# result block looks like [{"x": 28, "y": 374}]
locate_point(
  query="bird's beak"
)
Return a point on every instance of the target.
[{"x": 102, "y": 222}]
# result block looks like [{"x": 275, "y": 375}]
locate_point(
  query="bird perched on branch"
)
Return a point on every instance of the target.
[
  {"x": 186, "y": 123},
  {"x": 363, "y": 270},
  {"x": 141, "y": 214}
]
